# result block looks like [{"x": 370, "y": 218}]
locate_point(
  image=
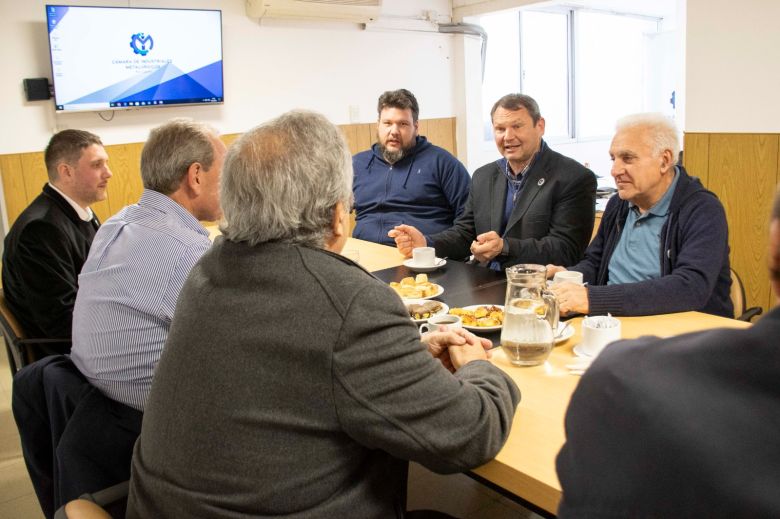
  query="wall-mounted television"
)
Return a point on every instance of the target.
[{"x": 109, "y": 58}]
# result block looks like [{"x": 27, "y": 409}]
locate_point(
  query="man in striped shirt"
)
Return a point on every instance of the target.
[{"x": 140, "y": 258}]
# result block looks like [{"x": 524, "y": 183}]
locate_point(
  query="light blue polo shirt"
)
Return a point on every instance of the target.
[{"x": 637, "y": 254}]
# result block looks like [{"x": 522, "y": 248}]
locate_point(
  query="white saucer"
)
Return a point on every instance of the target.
[
  {"x": 578, "y": 352},
  {"x": 418, "y": 268}
]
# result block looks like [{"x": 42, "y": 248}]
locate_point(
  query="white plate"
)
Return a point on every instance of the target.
[
  {"x": 566, "y": 334},
  {"x": 481, "y": 328},
  {"x": 444, "y": 308},
  {"x": 439, "y": 291},
  {"x": 439, "y": 263}
]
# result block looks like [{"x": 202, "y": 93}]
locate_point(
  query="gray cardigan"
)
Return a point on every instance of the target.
[{"x": 294, "y": 384}]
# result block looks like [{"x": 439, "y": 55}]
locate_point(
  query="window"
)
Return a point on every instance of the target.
[
  {"x": 609, "y": 70},
  {"x": 585, "y": 68}
]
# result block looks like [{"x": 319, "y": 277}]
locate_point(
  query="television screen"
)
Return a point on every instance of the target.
[{"x": 106, "y": 58}]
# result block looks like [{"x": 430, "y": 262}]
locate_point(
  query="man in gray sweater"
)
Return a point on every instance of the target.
[{"x": 293, "y": 383}]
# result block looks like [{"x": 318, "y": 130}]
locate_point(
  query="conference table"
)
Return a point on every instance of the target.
[{"x": 524, "y": 469}]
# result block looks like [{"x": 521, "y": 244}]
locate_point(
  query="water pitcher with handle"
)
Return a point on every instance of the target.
[{"x": 530, "y": 316}]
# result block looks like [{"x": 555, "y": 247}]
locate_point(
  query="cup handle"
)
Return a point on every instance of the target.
[{"x": 424, "y": 328}]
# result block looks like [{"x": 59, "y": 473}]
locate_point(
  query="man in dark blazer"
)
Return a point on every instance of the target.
[
  {"x": 679, "y": 427},
  {"x": 48, "y": 243},
  {"x": 531, "y": 205}
]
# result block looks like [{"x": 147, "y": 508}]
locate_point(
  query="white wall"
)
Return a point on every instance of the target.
[
  {"x": 732, "y": 66},
  {"x": 270, "y": 66}
]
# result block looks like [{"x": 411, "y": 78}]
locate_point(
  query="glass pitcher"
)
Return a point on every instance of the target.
[{"x": 530, "y": 316}]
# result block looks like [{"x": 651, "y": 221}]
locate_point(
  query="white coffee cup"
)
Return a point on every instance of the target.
[
  {"x": 568, "y": 276},
  {"x": 597, "y": 332},
  {"x": 424, "y": 256},
  {"x": 447, "y": 320}
]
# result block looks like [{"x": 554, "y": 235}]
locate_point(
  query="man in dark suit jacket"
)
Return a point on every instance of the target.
[
  {"x": 530, "y": 206},
  {"x": 48, "y": 243},
  {"x": 679, "y": 427}
]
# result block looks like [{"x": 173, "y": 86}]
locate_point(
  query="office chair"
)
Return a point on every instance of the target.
[
  {"x": 21, "y": 350},
  {"x": 109, "y": 503},
  {"x": 739, "y": 300}
]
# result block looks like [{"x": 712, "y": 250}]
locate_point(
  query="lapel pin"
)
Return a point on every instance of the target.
[{"x": 540, "y": 183}]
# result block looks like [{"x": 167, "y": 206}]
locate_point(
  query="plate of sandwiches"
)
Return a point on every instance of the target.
[{"x": 417, "y": 287}]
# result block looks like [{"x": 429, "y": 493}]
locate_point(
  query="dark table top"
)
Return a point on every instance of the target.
[{"x": 464, "y": 284}]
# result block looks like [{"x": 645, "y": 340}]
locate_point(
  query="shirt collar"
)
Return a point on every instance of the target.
[
  {"x": 504, "y": 164},
  {"x": 85, "y": 214},
  {"x": 661, "y": 208},
  {"x": 163, "y": 203}
]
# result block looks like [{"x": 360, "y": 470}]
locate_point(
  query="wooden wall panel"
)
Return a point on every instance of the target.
[
  {"x": 24, "y": 174},
  {"x": 33, "y": 174},
  {"x": 350, "y": 134},
  {"x": 229, "y": 138},
  {"x": 366, "y": 134},
  {"x": 16, "y": 198},
  {"x": 696, "y": 158},
  {"x": 743, "y": 172},
  {"x": 125, "y": 186},
  {"x": 422, "y": 128},
  {"x": 442, "y": 132}
]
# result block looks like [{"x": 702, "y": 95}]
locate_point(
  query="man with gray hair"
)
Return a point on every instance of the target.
[
  {"x": 140, "y": 258},
  {"x": 682, "y": 426},
  {"x": 662, "y": 245},
  {"x": 81, "y": 439},
  {"x": 293, "y": 382}
]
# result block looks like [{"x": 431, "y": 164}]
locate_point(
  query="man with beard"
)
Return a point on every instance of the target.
[
  {"x": 48, "y": 243},
  {"x": 531, "y": 205},
  {"x": 403, "y": 178}
]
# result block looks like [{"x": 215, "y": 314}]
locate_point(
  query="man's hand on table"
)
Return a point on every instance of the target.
[
  {"x": 456, "y": 348},
  {"x": 572, "y": 299},
  {"x": 487, "y": 246},
  {"x": 407, "y": 238}
]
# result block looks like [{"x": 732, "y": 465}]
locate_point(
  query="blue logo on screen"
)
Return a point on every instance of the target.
[{"x": 141, "y": 43}]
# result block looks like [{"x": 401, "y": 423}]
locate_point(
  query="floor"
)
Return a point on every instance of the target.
[
  {"x": 17, "y": 498},
  {"x": 456, "y": 494}
]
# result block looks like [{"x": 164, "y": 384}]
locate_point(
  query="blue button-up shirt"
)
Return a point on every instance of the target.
[
  {"x": 637, "y": 254},
  {"x": 127, "y": 294}
]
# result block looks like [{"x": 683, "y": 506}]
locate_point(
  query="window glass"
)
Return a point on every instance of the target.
[
  {"x": 544, "y": 45},
  {"x": 582, "y": 89},
  {"x": 609, "y": 70},
  {"x": 502, "y": 63}
]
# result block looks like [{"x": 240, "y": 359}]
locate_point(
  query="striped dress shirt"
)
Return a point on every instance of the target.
[{"x": 127, "y": 294}]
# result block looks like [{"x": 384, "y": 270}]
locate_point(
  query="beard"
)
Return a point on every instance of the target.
[{"x": 393, "y": 156}]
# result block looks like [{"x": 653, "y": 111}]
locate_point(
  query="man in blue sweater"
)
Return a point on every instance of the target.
[
  {"x": 662, "y": 245},
  {"x": 403, "y": 178}
]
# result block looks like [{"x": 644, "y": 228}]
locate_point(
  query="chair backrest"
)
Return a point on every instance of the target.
[
  {"x": 12, "y": 333},
  {"x": 8, "y": 320},
  {"x": 737, "y": 294}
]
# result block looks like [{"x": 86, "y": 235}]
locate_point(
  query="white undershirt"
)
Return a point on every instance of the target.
[{"x": 84, "y": 214}]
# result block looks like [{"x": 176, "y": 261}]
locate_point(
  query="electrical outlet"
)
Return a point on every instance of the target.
[{"x": 354, "y": 114}]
